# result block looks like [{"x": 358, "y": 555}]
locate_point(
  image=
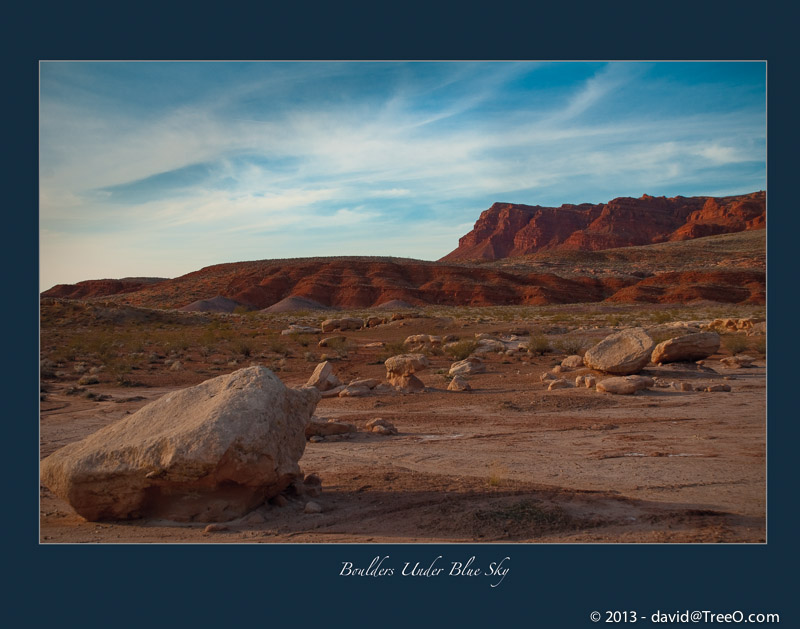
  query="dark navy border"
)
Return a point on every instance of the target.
[{"x": 549, "y": 586}]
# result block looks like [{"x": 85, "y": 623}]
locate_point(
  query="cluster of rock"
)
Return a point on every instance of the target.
[
  {"x": 318, "y": 429},
  {"x": 212, "y": 452},
  {"x": 750, "y": 326},
  {"x": 624, "y": 354},
  {"x": 324, "y": 380}
]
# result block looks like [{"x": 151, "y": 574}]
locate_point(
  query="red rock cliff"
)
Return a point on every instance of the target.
[{"x": 508, "y": 229}]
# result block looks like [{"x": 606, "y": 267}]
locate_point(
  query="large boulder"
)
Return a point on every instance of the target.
[
  {"x": 207, "y": 453},
  {"x": 686, "y": 348},
  {"x": 622, "y": 353}
]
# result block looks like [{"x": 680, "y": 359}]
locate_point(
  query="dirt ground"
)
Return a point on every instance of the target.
[{"x": 509, "y": 461}]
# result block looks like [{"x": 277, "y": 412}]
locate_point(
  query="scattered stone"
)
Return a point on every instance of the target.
[
  {"x": 590, "y": 382},
  {"x": 580, "y": 381},
  {"x": 572, "y": 362},
  {"x": 334, "y": 392},
  {"x": 300, "y": 329},
  {"x": 225, "y": 446},
  {"x": 323, "y": 378},
  {"x": 331, "y": 339},
  {"x": 625, "y": 385},
  {"x": 468, "y": 366},
  {"x": 316, "y": 439},
  {"x": 381, "y": 426},
  {"x": 558, "y": 384},
  {"x": 312, "y": 507},
  {"x": 370, "y": 383},
  {"x": 176, "y": 366},
  {"x": 86, "y": 380},
  {"x": 214, "y": 528},
  {"x": 400, "y": 371},
  {"x": 714, "y": 388},
  {"x": 317, "y": 428},
  {"x": 488, "y": 345},
  {"x": 686, "y": 348},
  {"x": 373, "y": 322},
  {"x": 375, "y": 344},
  {"x": 623, "y": 353},
  {"x": 557, "y": 369},
  {"x": 352, "y": 390},
  {"x": 459, "y": 383},
  {"x": 732, "y": 362},
  {"x": 547, "y": 376}
]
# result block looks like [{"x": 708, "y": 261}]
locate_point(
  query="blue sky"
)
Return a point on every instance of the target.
[{"x": 159, "y": 169}]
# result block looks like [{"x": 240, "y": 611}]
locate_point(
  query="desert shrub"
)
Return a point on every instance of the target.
[
  {"x": 243, "y": 347},
  {"x": 734, "y": 343},
  {"x": 303, "y": 339},
  {"x": 461, "y": 349},
  {"x": 539, "y": 345},
  {"x": 570, "y": 345},
  {"x": 662, "y": 316}
]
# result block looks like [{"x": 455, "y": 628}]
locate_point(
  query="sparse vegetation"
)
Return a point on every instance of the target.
[
  {"x": 539, "y": 345},
  {"x": 734, "y": 343},
  {"x": 571, "y": 345},
  {"x": 461, "y": 349}
]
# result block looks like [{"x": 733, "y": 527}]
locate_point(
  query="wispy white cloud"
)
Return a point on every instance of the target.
[{"x": 370, "y": 161}]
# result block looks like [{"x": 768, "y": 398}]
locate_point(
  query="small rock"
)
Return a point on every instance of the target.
[
  {"x": 572, "y": 362},
  {"x": 354, "y": 391},
  {"x": 316, "y": 428},
  {"x": 714, "y": 388},
  {"x": 334, "y": 392},
  {"x": 213, "y": 528},
  {"x": 332, "y": 339},
  {"x": 381, "y": 426},
  {"x": 468, "y": 366},
  {"x": 557, "y": 369},
  {"x": 624, "y": 385},
  {"x": 280, "y": 500},
  {"x": 558, "y": 384},
  {"x": 686, "y": 386},
  {"x": 590, "y": 382},
  {"x": 459, "y": 383},
  {"x": 738, "y": 361},
  {"x": 547, "y": 376},
  {"x": 85, "y": 380},
  {"x": 313, "y": 507}
]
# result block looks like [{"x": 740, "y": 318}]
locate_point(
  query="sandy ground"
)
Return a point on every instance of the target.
[{"x": 507, "y": 462}]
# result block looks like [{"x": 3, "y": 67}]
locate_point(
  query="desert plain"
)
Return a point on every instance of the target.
[{"x": 508, "y": 461}]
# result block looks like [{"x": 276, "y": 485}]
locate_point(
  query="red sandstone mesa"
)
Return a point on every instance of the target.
[{"x": 508, "y": 229}]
